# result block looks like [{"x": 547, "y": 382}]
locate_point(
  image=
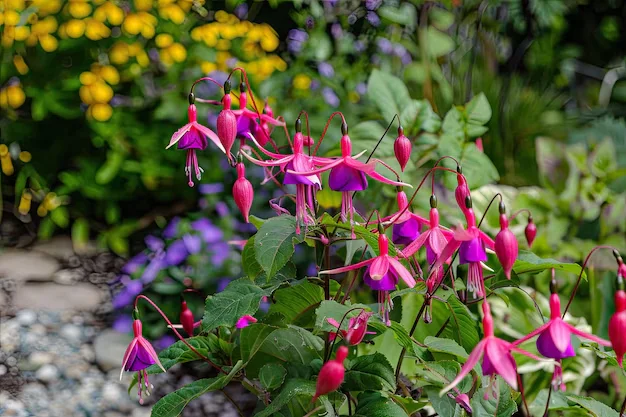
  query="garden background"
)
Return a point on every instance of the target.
[{"x": 530, "y": 96}]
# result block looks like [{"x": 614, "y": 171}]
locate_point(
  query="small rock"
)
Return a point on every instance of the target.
[
  {"x": 26, "y": 317},
  {"x": 57, "y": 297},
  {"x": 47, "y": 373},
  {"x": 87, "y": 353},
  {"x": 9, "y": 336},
  {"x": 72, "y": 333},
  {"x": 67, "y": 276},
  {"x": 112, "y": 393},
  {"x": 35, "y": 396},
  {"x": 109, "y": 347},
  {"x": 40, "y": 358},
  {"x": 27, "y": 266},
  {"x": 59, "y": 247}
]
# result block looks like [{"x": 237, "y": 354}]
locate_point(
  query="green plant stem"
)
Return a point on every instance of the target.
[
  {"x": 313, "y": 411},
  {"x": 228, "y": 397},
  {"x": 403, "y": 352}
]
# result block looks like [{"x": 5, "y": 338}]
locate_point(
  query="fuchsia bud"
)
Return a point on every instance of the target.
[
  {"x": 530, "y": 231},
  {"x": 227, "y": 122},
  {"x": 479, "y": 144},
  {"x": 245, "y": 321},
  {"x": 617, "y": 324},
  {"x": 186, "y": 318},
  {"x": 462, "y": 190},
  {"x": 506, "y": 244},
  {"x": 331, "y": 375},
  {"x": 243, "y": 192},
  {"x": 402, "y": 148}
]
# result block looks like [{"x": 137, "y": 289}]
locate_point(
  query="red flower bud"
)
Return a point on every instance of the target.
[
  {"x": 461, "y": 192},
  {"x": 530, "y": 231},
  {"x": 243, "y": 192},
  {"x": 402, "y": 149},
  {"x": 617, "y": 327},
  {"x": 227, "y": 126},
  {"x": 479, "y": 144},
  {"x": 331, "y": 375},
  {"x": 506, "y": 246},
  {"x": 186, "y": 318}
]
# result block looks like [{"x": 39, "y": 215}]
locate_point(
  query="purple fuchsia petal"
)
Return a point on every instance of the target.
[
  {"x": 298, "y": 179},
  {"x": 245, "y": 126},
  {"x": 344, "y": 178},
  {"x": 193, "y": 139},
  {"x": 142, "y": 359},
  {"x": 431, "y": 256},
  {"x": 500, "y": 361},
  {"x": 472, "y": 251},
  {"x": 387, "y": 283},
  {"x": 547, "y": 347},
  {"x": 405, "y": 232}
]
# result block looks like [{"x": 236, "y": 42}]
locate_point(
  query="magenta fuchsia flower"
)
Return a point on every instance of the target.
[
  {"x": 243, "y": 193},
  {"x": 617, "y": 327},
  {"x": 555, "y": 340},
  {"x": 471, "y": 244},
  {"x": 193, "y": 136},
  {"x": 496, "y": 355},
  {"x": 331, "y": 375},
  {"x": 138, "y": 356},
  {"x": 186, "y": 319},
  {"x": 406, "y": 224},
  {"x": 402, "y": 148},
  {"x": 357, "y": 328},
  {"x": 382, "y": 274},
  {"x": 247, "y": 120},
  {"x": 506, "y": 246},
  {"x": 227, "y": 122},
  {"x": 245, "y": 321}
]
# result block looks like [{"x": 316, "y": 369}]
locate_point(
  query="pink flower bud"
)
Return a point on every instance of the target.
[
  {"x": 506, "y": 246},
  {"x": 243, "y": 192},
  {"x": 331, "y": 375},
  {"x": 186, "y": 319},
  {"x": 530, "y": 231},
  {"x": 461, "y": 192},
  {"x": 479, "y": 144},
  {"x": 402, "y": 149},
  {"x": 245, "y": 321},
  {"x": 617, "y": 327},
  {"x": 227, "y": 126},
  {"x": 464, "y": 401}
]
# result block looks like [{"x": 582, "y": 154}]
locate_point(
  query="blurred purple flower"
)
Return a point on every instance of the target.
[
  {"x": 326, "y": 70},
  {"x": 245, "y": 227},
  {"x": 406, "y": 58},
  {"x": 210, "y": 233},
  {"x": 222, "y": 283},
  {"x": 171, "y": 229},
  {"x": 127, "y": 295},
  {"x": 135, "y": 263},
  {"x": 241, "y": 11},
  {"x": 361, "y": 88},
  {"x": 123, "y": 324},
  {"x": 295, "y": 39},
  {"x": 385, "y": 45},
  {"x": 154, "y": 267},
  {"x": 221, "y": 252},
  {"x": 375, "y": 59},
  {"x": 213, "y": 188},
  {"x": 372, "y": 4},
  {"x": 154, "y": 243},
  {"x": 359, "y": 46},
  {"x": 373, "y": 18},
  {"x": 231, "y": 62},
  {"x": 222, "y": 209},
  {"x": 193, "y": 243},
  {"x": 164, "y": 341},
  {"x": 310, "y": 22},
  {"x": 212, "y": 119},
  {"x": 176, "y": 253},
  {"x": 330, "y": 97},
  {"x": 336, "y": 31},
  {"x": 153, "y": 54},
  {"x": 315, "y": 84},
  {"x": 399, "y": 50},
  {"x": 311, "y": 270}
]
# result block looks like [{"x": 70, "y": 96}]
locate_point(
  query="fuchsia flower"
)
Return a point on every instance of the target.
[
  {"x": 227, "y": 122},
  {"x": 617, "y": 324},
  {"x": 555, "y": 340},
  {"x": 331, "y": 375},
  {"x": 245, "y": 321},
  {"x": 138, "y": 356},
  {"x": 243, "y": 193},
  {"x": 247, "y": 120},
  {"x": 186, "y": 318},
  {"x": 471, "y": 244},
  {"x": 402, "y": 148},
  {"x": 357, "y": 328},
  {"x": 530, "y": 231},
  {"x": 462, "y": 190},
  {"x": 506, "y": 244},
  {"x": 406, "y": 224},
  {"x": 382, "y": 274},
  {"x": 497, "y": 358}
]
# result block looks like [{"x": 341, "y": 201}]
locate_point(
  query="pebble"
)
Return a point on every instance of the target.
[
  {"x": 25, "y": 266},
  {"x": 40, "y": 358},
  {"x": 72, "y": 332},
  {"x": 26, "y": 317},
  {"x": 47, "y": 373},
  {"x": 59, "y": 247},
  {"x": 56, "y": 297},
  {"x": 109, "y": 347},
  {"x": 67, "y": 276}
]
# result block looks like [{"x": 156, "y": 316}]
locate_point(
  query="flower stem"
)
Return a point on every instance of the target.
[
  {"x": 382, "y": 137},
  {"x": 622, "y": 411},
  {"x": 326, "y": 128},
  {"x": 228, "y": 397},
  {"x": 521, "y": 390},
  {"x": 545, "y": 412},
  {"x": 313, "y": 411}
]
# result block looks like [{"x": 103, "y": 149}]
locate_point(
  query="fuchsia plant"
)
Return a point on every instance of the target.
[{"x": 279, "y": 356}]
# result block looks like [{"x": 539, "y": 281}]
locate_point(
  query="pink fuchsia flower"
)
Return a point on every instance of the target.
[
  {"x": 406, "y": 224},
  {"x": 186, "y": 318},
  {"x": 382, "y": 274},
  {"x": 617, "y": 327},
  {"x": 193, "y": 136},
  {"x": 247, "y": 120},
  {"x": 530, "y": 231},
  {"x": 555, "y": 340},
  {"x": 138, "y": 356},
  {"x": 227, "y": 122},
  {"x": 506, "y": 246},
  {"x": 464, "y": 401},
  {"x": 402, "y": 148},
  {"x": 243, "y": 193},
  {"x": 462, "y": 190},
  {"x": 496, "y": 355},
  {"x": 471, "y": 244},
  {"x": 331, "y": 375},
  {"x": 245, "y": 321},
  {"x": 357, "y": 328}
]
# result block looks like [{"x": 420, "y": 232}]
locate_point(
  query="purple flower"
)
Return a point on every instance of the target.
[
  {"x": 295, "y": 39},
  {"x": 386, "y": 283},
  {"x": 222, "y": 209},
  {"x": 221, "y": 252},
  {"x": 135, "y": 263},
  {"x": 213, "y": 188},
  {"x": 336, "y": 31},
  {"x": 212, "y": 119},
  {"x": 372, "y": 4},
  {"x": 472, "y": 251},
  {"x": 315, "y": 84},
  {"x": 172, "y": 228},
  {"x": 310, "y": 22},
  {"x": 359, "y": 46},
  {"x": 209, "y": 232},
  {"x": 154, "y": 243},
  {"x": 330, "y": 97},
  {"x": 165, "y": 341},
  {"x": 373, "y": 18},
  {"x": 406, "y": 58},
  {"x": 399, "y": 50},
  {"x": 241, "y": 11},
  {"x": 405, "y": 232},
  {"x": 345, "y": 178},
  {"x": 154, "y": 267},
  {"x": 127, "y": 295},
  {"x": 123, "y": 324},
  {"x": 385, "y": 45},
  {"x": 326, "y": 70},
  {"x": 311, "y": 270},
  {"x": 222, "y": 283},
  {"x": 176, "y": 253},
  {"x": 192, "y": 243},
  {"x": 361, "y": 88}
]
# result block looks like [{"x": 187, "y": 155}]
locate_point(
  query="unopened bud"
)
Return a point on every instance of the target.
[
  {"x": 227, "y": 125},
  {"x": 402, "y": 149},
  {"x": 530, "y": 231},
  {"x": 243, "y": 192}
]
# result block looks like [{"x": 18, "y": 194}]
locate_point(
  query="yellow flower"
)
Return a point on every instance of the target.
[
  {"x": 20, "y": 64},
  {"x": 48, "y": 43},
  {"x": 47, "y": 7},
  {"x": 21, "y": 33},
  {"x": 14, "y": 4},
  {"x": 87, "y": 78},
  {"x": 5, "y": 157},
  {"x": 163, "y": 40},
  {"x": 11, "y": 17},
  {"x": 100, "y": 112},
  {"x": 279, "y": 63},
  {"x": 178, "y": 52},
  {"x": 142, "y": 59},
  {"x": 132, "y": 24},
  {"x": 101, "y": 92},
  {"x": 143, "y": 5},
  {"x": 85, "y": 95},
  {"x": 353, "y": 97},
  {"x": 15, "y": 96},
  {"x": 24, "y": 206},
  {"x": 221, "y": 16},
  {"x": 41, "y": 211},
  {"x": 8, "y": 36},
  {"x": 111, "y": 12},
  {"x": 75, "y": 28},
  {"x": 110, "y": 74},
  {"x": 25, "y": 156},
  {"x": 172, "y": 12},
  {"x": 50, "y": 201},
  {"x": 119, "y": 53},
  {"x": 79, "y": 9},
  {"x": 96, "y": 30},
  {"x": 207, "y": 67},
  {"x": 302, "y": 82},
  {"x": 223, "y": 45}
]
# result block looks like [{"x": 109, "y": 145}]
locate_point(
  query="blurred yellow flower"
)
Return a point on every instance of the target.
[
  {"x": 119, "y": 54},
  {"x": 302, "y": 82},
  {"x": 11, "y": 17},
  {"x": 110, "y": 74},
  {"x": 163, "y": 40},
  {"x": 47, "y": 7},
  {"x": 13, "y": 96},
  {"x": 87, "y": 78},
  {"x": 5, "y": 157},
  {"x": 110, "y": 12},
  {"x": 85, "y": 95},
  {"x": 14, "y": 4},
  {"x": 221, "y": 16},
  {"x": 41, "y": 211},
  {"x": 21, "y": 33},
  {"x": 48, "y": 43},
  {"x": 132, "y": 24},
  {"x": 25, "y": 156},
  {"x": 20, "y": 64},
  {"x": 223, "y": 45},
  {"x": 50, "y": 201},
  {"x": 100, "y": 112},
  {"x": 96, "y": 30},
  {"x": 207, "y": 67},
  {"x": 74, "y": 28},
  {"x": 79, "y": 8},
  {"x": 101, "y": 92},
  {"x": 143, "y": 5},
  {"x": 24, "y": 207},
  {"x": 172, "y": 12}
]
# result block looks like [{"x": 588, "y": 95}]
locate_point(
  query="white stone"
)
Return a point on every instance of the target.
[
  {"x": 47, "y": 373},
  {"x": 56, "y": 297},
  {"x": 9, "y": 336},
  {"x": 112, "y": 392},
  {"x": 26, "y": 317},
  {"x": 41, "y": 358},
  {"x": 22, "y": 265},
  {"x": 59, "y": 247},
  {"x": 71, "y": 332},
  {"x": 66, "y": 276},
  {"x": 110, "y": 347}
]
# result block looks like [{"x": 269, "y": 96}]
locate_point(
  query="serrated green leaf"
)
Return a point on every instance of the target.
[
  {"x": 298, "y": 302},
  {"x": 438, "y": 344},
  {"x": 291, "y": 389},
  {"x": 462, "y": 326},
  {"x": 252, "y": 338},
  {"x": 595, "y": 407},
  {"x": 374, "y": 404},
  {"x": 250, "y": 266},
  {"x": 334, "y": 310},
  {"x": 293, "y": 344},
  {"x": 272, "y": 375},
  {"x": 241, "y": 297},
  {"x": 274, "y": 243},
  {"x": 369, "y": 372},
  {"x": 502, "y": 406},
  {"x": 444, "y": 405},
  {"x": 388, "y": 93}
]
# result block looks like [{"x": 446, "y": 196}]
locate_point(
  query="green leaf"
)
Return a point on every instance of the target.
[
  {"x": 252, "y": 338},
  {"x": 439, "y": 43},
  {"x": 173, "y": 403},
  {"x": 596, "y": 408},
  {"x": 558, "y": 401},
  {"x": 529, "y": 263},
  {"x": 250, "y": 266},
  {"x": 477, "y": 167},
  {"x": 502, "y": 406},
  {"x": 388, "y": 92},
  {"x": 80, "y": 234},
  {"x": 438, "y": 344},
  {"x": 272, "y": 376},
  {"x": 334, "y": 310},
  {"x": 370, "y": 372},
  {"x": 374, "y": 404},
  {"x": 462, "y": 326},
  {"x": 292, "y": 389},
  {"x": 602, "y": 160},
  {"x": 444, "y": 406},
  {"x": 293, "y": 344},
  {"x": 478, "y": 110},
  {"x": 440, "y": 374},
  {"x": 401, "y": 336},
  {"x": 110, "y": 168},
  {"x": 274, "y": 243},
  {"x": 241, "y": 297},
  {"x": 298, "y": 302}
]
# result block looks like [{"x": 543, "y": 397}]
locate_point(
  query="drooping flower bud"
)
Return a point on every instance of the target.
[
  {"x": 506, "y": 244},
  {"x": 462, "y": 190},
  {"x": 243, "y": 192},
  {"x": 530, "y": 231},
  {"x": 617, "y": 326},
  {"x": 245, "y": 321},
  {"x": 186, "y": 318},
  {"x": 402, "y": 148},
  {"x": 227, "y": 122},
  {"x": 331, "y": 375}
]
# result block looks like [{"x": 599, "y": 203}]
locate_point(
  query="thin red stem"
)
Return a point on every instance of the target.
[
  {"x": 437, "y": 164},
  {"x": 326, "y": 128},
  {"x": 332, "y": 346},
  {"x": 518, "y": 212},
  {"x": 205, "y": 79}
]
